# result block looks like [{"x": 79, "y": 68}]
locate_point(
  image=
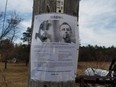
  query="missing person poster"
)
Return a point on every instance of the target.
[{"x": 54, "y": 47}]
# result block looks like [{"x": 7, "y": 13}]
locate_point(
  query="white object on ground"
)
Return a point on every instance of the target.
[{"x": 97, "y": 72}]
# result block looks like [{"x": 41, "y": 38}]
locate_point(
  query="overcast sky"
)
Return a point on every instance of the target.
[
  {"x": 97, "y": 19},
  {"x": 22, "y": 7},
  {"x": 98, "y": 22}
]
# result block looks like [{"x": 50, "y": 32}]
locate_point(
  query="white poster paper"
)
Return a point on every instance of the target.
[{"x": 54, "y": 47}]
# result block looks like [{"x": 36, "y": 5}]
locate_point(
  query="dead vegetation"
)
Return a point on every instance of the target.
[{"x": 16, "y": 75}]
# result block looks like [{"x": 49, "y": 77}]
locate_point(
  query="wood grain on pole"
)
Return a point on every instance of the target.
[{"x": 48, "y": 6}]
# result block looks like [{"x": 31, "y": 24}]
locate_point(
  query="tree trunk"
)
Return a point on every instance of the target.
[{"x": 71, "y": 7}]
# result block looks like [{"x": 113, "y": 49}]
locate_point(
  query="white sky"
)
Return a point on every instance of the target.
[
  {"x": 98, "y": 22},
  {"x": 24, "y": 10},
  {"x": 97, "y": 19},
  {"x": 22, "y": 7}
]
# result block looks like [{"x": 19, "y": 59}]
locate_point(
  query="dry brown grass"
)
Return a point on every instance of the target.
[{"x": 16, "y": 75}]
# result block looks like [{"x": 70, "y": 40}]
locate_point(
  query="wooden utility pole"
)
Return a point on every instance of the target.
[{"x": 70, "y": 7}]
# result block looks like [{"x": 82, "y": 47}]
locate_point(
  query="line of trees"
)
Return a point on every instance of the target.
[
  {"x": 10, "y": 50},
  {"x": 8, "y": 33},
  {"x": 86, "y": 53},
  {"x": 97, "y": 53}
]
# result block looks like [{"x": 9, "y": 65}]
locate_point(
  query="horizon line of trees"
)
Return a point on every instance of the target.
[
  {"x": 8, "y": 49},
  {"x": 96, "y": 53},
  {"x": 86, "y": 53}
]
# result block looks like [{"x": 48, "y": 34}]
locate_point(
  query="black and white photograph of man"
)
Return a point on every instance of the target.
[
  {"x": 55, "y": 31},
  {"x": 66, "y": 33}
]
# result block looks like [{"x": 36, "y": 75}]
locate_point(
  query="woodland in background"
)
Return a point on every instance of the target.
[
  {"x": 97, "y": 53},
  {"x": 9, "y": 50},
  {"x": 86, "y": 53}
]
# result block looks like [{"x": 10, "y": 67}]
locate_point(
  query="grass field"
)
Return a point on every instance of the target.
[{"x": 16, "y": 75}]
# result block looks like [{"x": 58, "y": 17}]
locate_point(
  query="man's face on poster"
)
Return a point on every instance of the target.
[{"x": 65, "y": 30}]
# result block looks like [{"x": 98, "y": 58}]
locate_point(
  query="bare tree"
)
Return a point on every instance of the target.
[{"x": 9, "y": 29}]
